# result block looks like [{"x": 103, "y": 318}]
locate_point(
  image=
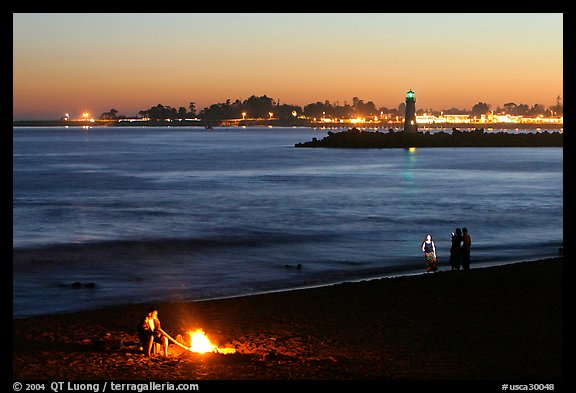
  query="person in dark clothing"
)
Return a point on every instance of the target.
[
  {"x": 466, "y": 243},
  {"x": 456, "y": 250},
  {"x": 150, "y": 332}
]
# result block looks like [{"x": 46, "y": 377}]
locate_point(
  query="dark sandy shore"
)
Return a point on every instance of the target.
[{"x": 502, "y": 323}]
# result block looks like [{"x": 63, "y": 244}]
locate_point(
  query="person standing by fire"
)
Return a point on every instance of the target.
[{"x": 150, "y": 332}]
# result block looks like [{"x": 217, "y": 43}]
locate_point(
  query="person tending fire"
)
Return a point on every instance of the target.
[{"x": 150, "y": 332}]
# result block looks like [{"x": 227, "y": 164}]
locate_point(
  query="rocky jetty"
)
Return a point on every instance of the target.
[{"x": 355, "y": 138}]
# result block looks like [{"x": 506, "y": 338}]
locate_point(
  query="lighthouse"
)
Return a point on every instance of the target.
[{"x": 410, "y": 124}]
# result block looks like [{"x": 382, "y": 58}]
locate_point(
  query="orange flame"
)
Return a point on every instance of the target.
[{"x": 200, "y": 343}]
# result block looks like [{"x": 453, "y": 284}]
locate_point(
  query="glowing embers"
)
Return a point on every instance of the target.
[{"x": 200, "y": 343}]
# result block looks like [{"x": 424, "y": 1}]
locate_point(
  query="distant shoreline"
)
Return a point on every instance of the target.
[{"x": 276, "y": 123}]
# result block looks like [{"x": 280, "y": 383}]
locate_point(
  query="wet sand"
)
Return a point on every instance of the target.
[{"x": 500, "y": 323}]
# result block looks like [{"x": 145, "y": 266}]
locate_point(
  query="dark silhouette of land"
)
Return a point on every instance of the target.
[
  {"x": 355, "y": 138},
  {"x": 264, "y": 110}
]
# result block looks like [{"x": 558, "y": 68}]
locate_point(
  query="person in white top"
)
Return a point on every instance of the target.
[{"x": 429, "y": 250}]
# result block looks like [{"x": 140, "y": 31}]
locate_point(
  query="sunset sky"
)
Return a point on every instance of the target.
[{"x": 71, "y": 63}]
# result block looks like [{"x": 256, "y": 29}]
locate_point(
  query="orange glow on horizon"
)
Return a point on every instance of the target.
[{"x": 323, "y": 57}]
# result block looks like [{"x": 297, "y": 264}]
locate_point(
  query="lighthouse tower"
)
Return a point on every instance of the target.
[{"x": 410, "y": 124}]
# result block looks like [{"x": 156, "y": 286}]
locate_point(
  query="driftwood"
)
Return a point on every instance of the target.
[{"x": 173, "y": 340}]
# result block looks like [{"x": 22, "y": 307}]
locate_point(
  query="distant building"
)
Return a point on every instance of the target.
[
  {"x": 489, "y": 118},
  {"x": 410, "y": 123}
]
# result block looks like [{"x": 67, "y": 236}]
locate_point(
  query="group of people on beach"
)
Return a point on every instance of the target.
[
  {"x": 459, "y": 251},
  {"x": 150, "y": 329}
]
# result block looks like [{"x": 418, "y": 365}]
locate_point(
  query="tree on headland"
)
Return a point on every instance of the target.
[
  {"x": 159, "y": 112},
  {"x": 363, "y": 109},
  {"x": 223, "y": 110},
  {"x": 254, "y": 107},
  {"x": 516, "y": 110},
  {"x": 259, "y": 107},
  {"x": 480, "y": 108},
  {"x": 537, "y": 109},
  {"x": 317, "y": 109},
  {"x": 111, "y": 115},
  {"x": 286, "y": 111}
]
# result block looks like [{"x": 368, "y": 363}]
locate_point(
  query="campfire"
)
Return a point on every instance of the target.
[{"x": 200, "y": 343}]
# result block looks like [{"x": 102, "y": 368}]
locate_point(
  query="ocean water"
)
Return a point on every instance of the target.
[{"x": 106, "y": 216}]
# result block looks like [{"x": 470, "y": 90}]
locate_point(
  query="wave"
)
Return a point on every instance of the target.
[{"x": 158, "y": 246}]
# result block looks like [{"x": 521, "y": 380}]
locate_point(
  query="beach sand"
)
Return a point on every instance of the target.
[{"x": 500, "y": 323}]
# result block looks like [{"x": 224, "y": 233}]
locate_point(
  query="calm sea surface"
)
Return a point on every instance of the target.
[{"x": 106, "y": 216}]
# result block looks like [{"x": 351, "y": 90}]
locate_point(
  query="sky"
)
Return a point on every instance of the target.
[{"x": 93, "y": 62}]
